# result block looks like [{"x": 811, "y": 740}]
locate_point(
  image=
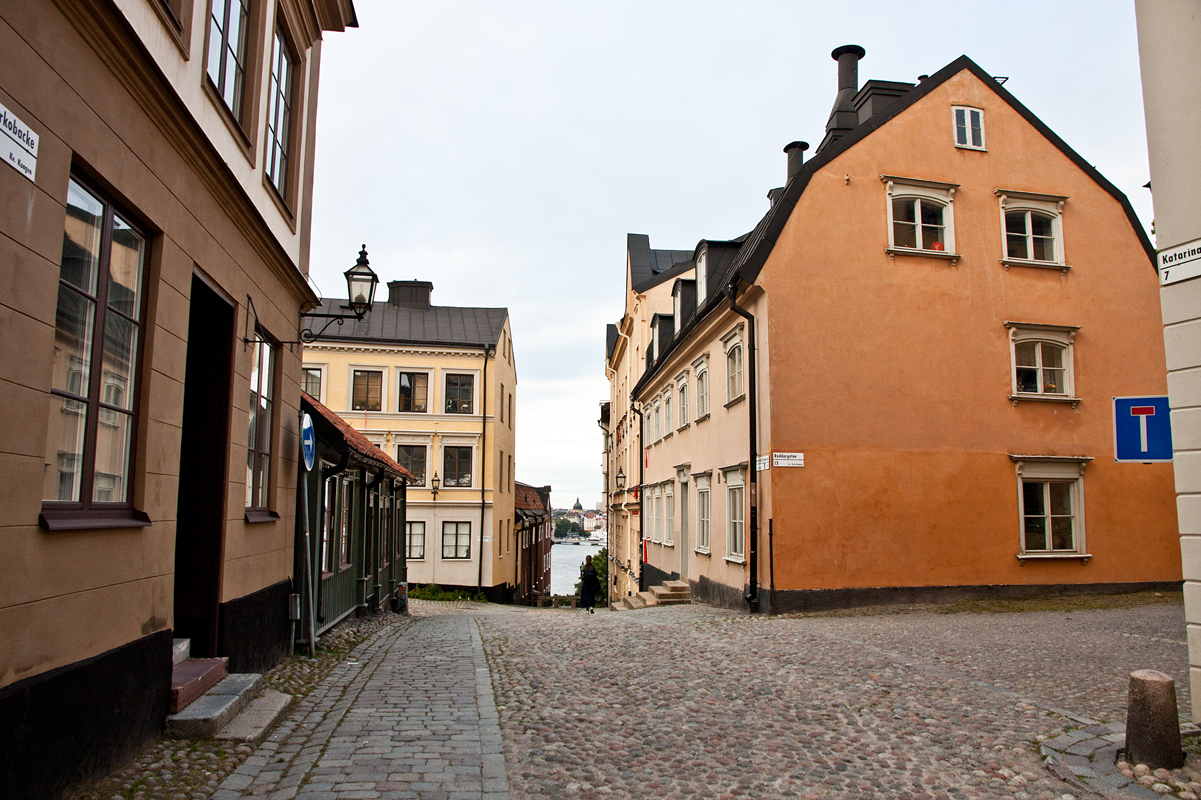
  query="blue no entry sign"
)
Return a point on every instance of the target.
[
  {"x": 1142, "y": 429},
  {"x": 308, "y": 442}
]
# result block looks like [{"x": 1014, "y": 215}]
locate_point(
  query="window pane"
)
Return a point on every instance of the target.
[
  {"x": 1015, "y": 235},
  {"x": 960, "y": 126},
  {"x": 112, "y": 457},
  {"x": 73, "y": 342},
  {"x": 1026, "y": 354},
  {"x": 1061, "y": 499},
  {"x": 120, "y": 352},
  {"x": 1036, "y": 533},
  {"x": 1043, "y": 237},
  {"x": 216, "y": 42},
  {"x": 1061, "y": 534},
  {"x": 932, "y": 227},
  {"x": 125, "y": 269},
  {"x": 904, "y": 227},
  {"x": 64, "y": 450},
  {"x": 81, "y": 239},
  {"x": 312, "y": 383},
  {"x": 1053, "y": 381},
  {"x": 977, "y": 128},
  {"x": 368, "y": 390},
  {"x": 416, "y": 540},
  {"x": 1032, "y": 498}
]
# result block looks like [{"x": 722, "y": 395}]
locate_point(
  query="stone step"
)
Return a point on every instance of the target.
[
  {"x": 192, "y": 678},
  {"x": 650, "y": 598},
  {"x": 617, "y": 606},
  {"x": 258, "y": 717},
  {"x": 674, "y": 601},
  {"x": 681, "y": 586},
  {"x": 181, "y": 650},
  {"x": 663, "y": 593},
  {"x": 213, "y": 710},
  {"x": 634, "y": 601}
]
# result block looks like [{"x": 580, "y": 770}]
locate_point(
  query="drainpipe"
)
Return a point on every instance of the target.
[
  {"x": 376, "y": 533},
  {"x": 608, "y": 528},
  {"x": 752, "y": 594},
  {"x": 641, "y": 478},
  {"x": 488, "y": 351}
]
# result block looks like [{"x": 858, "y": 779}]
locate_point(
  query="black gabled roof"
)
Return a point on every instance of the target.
[
  {"x": 759, "y": 243},
  {"x": 443, "y": 325},
  {"x": 651, "y": 267},
  {"x": 610, "y": 340}
]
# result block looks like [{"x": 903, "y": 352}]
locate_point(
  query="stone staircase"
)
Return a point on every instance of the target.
[
  {"x": 208, "y": 702},
  {"x": 666, "y": 594}
]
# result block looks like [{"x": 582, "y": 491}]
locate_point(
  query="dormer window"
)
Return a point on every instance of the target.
[
  {"x": 702, "y": 283},
  {"x": 969, "y": 127},
  {"x": 676, "y": 310}
]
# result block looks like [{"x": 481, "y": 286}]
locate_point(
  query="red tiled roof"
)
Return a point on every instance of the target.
[
  {"x": 357, "y": 441},
  {"x": 526, "y": 499}
]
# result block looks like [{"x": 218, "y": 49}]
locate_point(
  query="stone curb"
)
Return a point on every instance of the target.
[{"x": 1087, "y": 758}]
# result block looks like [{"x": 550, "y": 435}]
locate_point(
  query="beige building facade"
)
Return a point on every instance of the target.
[
  {"x": 156, "y": 189},
  {"x": 1169, "y": 38},
  {"x": 435, "y": 388}
]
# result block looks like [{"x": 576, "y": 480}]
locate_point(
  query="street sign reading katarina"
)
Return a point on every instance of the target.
[{"x": 1142, "y": 429}]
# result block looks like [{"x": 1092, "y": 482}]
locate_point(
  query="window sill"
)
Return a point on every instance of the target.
[
  {"x": 970, "y": 147},
  {"x": 701, "y": 552},
  {"x": 81, "y": 520},
  {"x": 667, "y": 435},
  {"x": 456, "y": 558},
  {"x": 913, "y": 251},
  {"x": 1024, "y": 557},
  {"x": 734, "y": 559},
  {"x": 1045, "y": 398},
  {"x": 683, "y": 427},
  {"x": 256, "y": 516},
  {"x": 702, "y": 418},
  {"x": 1022, "y": 262},
  {"x": 736, "y": 400},
  {"x": 230, "y": 118}
]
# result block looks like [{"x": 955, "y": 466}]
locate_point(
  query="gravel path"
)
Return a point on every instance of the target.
[{"x": 690, "y": 701}]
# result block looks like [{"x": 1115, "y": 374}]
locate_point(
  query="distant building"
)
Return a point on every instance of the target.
[
  {"x": 535, "y": 535},
  {"x": 1169, "y": 43},
  {"x": 435, "y": 387},
  {"x": 899, "y": 384}
]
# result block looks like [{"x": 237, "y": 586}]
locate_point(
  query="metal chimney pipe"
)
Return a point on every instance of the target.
[
  {"x": 796, "y": 156},
  {"x": 848, "y": 57}
]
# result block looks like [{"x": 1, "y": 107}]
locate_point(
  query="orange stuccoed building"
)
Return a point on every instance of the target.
[{"x": 899, "y": 386}]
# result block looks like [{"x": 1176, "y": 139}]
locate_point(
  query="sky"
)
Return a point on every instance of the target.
[{"x": 503, "y": 150}]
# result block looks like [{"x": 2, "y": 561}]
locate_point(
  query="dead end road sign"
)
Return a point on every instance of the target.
[{"x": 1142, "y": 429}]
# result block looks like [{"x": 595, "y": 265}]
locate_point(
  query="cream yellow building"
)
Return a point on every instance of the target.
[{"x": 434, "y": 387}]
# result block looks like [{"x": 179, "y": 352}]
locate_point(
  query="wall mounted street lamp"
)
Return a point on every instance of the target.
[
  {"x": 361, "y": 283},
  {"x": 621, "y": 479},
  {"x": 435, "y": 485}
]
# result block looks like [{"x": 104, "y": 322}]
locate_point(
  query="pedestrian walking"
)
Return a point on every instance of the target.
[{"x": 589, "y": 585}]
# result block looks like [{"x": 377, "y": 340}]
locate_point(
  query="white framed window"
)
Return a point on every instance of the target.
[
  {"x": 1032, "y": 230},
  {"x": 669, "y": 520},
  {"x": 1051, "y": 507},
  {"x": 657, "y": 535},
  {"x": 735, "y": 528},
  {"x": 1041, "y": 358},
  {"x": 701, "y": 367},
  {"x": 312, "y": 381},
  {"x": 456, "y": 540},
  {"x": 658, "y": 416},
  {"x": 676, "y": 309},
  {"x": 667, "y": 426},
  {"x": 415, "y": 541},
  {"x": 969, "y": 127},
  {"x": 702, "y": 277},
  {"x": 683, "y": 404},
  {"x": 921, "y": 219},
  {"x": 702, "y": 513}
]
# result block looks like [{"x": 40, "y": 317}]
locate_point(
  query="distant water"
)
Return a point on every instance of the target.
[{"x": 565, "y": 563}]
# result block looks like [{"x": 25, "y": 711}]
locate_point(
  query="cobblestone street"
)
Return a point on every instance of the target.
[{"x": 484, "y": 701}]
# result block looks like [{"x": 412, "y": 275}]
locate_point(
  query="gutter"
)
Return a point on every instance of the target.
[
  {"x": 487, "y": 348},
  {"x": 752, "y": 594}
]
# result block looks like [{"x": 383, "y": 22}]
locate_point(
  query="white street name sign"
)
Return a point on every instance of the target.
[
  {"x": 1180, "y": 263},
  {"x": 18, "y": 144},
  {"x": 761, "y": 464},
  {"x": 788, "y": 459}
]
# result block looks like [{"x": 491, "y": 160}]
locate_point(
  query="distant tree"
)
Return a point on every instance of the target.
[
  {"x": 601, "y": 562},
  {"x": 565, "y": 528}
]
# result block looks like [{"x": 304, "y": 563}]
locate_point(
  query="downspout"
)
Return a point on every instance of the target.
[
  {"x": 488, "y": 350},
  {"x": 641, "y": 478},
  {"x": 752, "y": 594},
  {"x": 609, "y": 455}
]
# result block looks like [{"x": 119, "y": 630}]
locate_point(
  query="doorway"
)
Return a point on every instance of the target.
[
  {"x": 684, "y": 538},
  {"x": 203, "y": 468}
]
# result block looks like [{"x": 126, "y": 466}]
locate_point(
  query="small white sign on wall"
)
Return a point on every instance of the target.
[
  {"x": 761, "y": 464},
  {"x": 1180, "y": 263},
  {"x": 788, "y": 459},
  {"x": 18, "y": 144}
]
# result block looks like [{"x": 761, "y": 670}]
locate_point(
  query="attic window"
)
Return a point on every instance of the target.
[{"x": 969, "y": 127}]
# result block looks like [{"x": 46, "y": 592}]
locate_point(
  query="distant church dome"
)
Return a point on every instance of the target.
[{"x": 577, "y": 506}]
